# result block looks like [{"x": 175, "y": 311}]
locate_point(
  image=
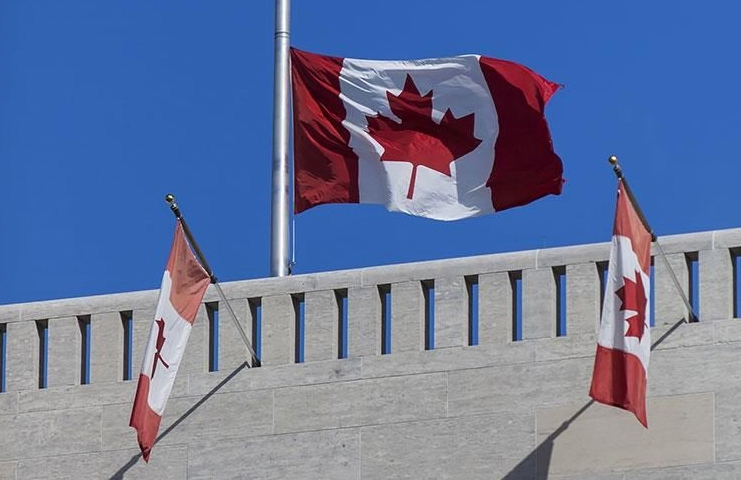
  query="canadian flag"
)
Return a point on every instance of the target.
[
  {"x": 444, "y": 138},
  {"x": 183, "y": 286},
  {"x": 624, "y": 338}
]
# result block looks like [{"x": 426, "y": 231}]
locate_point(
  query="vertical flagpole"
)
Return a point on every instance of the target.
[
  {"x": 279, "y": 217},
  {"x": 619, "y": 173}
]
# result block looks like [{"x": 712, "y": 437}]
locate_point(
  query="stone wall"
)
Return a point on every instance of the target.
[{"x": 514, "y": 405}]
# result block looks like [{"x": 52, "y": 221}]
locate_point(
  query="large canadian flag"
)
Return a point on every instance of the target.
[
  {"x": 183, "y": 286},
  {"x": 624, "y": 339},
  {"x": 443, "y": 138}
]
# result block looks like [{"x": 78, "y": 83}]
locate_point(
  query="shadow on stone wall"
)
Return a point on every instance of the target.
[
  {"x": 120, "y": 473},
  {"x": 537, "y": 463}
]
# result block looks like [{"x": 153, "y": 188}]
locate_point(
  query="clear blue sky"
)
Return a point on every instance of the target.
[{"x": 107, "y": 106}]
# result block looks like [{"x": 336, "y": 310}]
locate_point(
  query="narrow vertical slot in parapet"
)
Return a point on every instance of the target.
[
  {"x": 736, "y": 263},
  {"x": 84, "y": 323},
  {"x": 472, "y": 288},
  {"x": 342, "y": 322},
  {"x": 428, "y": 291},
  {"x": 384, "y": 291},
  {"x": 212, "y": 310},
  {"x": 693, "y": 282},
  {"x": 127, "y": 322},
  {"x": 3, "y": 355},
  {"x": 515, "y": 279},
  {"x": 42, "y": 327},
  {"x": 256, "y": 314},
  {"x": 602, "y": 268},
  {"x": 559, "y": 276},
  {"x": 298, "y": 309}
]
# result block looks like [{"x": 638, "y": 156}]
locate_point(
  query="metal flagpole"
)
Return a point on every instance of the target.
[
  {"x": 279, "y": 216},
  {"x": 619, "y": 173},
  {"x": 170, "y": 199}
]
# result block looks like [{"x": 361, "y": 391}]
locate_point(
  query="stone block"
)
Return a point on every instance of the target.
[
  {"x": 451, "y": 312},
  {"x": 195, "y": 356},
  {"x": 186, "y": 419},
  {"x": 496, "y": 309},
  {"x": 142, "y": 320},
  {"x": 364, "y": 321},
  {"x": 166, "y": 462},
  {"x": 716, "y": 284},
  {"x": 318, "y": 407},
  {"x": 8, "y": 470},
  {"x": 451, "y": 359},
  {"x": 669, "y": 306},
  {"x": 483, "y": 446},
  {"x": 407, "y": 317},
  {"x": 323, "y": 454},
  {"x": 9, "y": 403},
  {"x": 242, "y": 379},
  {"x": 278, "y": 330},
  {"x": 518, "y": 387},
  {"x": 728, "y": 424},
  {"x": 321, "y": 326},
  {"x": 538, "y": 303},
  {"x": 106, "y": 347},
  {"x": 50, "y": 433},
  {"x": 65, "y": 352},
  {"x": 232, "y": 350},
  {"x": 618, "y": 441},
  {"x": 582, "y": 298},
  {"x": 22, "y": 356}
]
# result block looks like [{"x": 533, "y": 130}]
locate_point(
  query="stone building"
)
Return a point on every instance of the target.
[{"x": 463, "y": 368}]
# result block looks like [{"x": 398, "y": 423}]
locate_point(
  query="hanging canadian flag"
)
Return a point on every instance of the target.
[
  {"x": 183, "y": 286},
  {"x": 624, "y": 340},
  {"x": 443, "y": 138}
]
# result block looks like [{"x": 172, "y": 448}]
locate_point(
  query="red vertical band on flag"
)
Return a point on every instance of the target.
[
  {"x": 325, "y": 167},
  {"x": 619, "y": 380},
  {"x": 628, "y": 224},
  {"x": 188, "y": 277},
  {"x": 144, "y": 419},
  {"x": 525, "y": 165}
]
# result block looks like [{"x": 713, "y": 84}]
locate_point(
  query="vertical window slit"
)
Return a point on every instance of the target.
[
  {"x": 736, "y": 259},
  {"x": 256, "y": 313},
  {"x": 515, "y": 279},
  {"x": 84, "y": 323},
  {"x": 298, "y": 309},
  {"x": 3, "y": 354},
  {"x": 385, "y": 293},
  {"x": 127, "y": 320},
  {"x": 42, "y": 327},
  {"x": 342, "y": 322},
  {"x": 559, "y": 275},
  {"x": 693, "y": 289},
  {"x": 212, "y": 310},
  {"x": 428, "y": 291},
  {"x": 472, "y": 287}
]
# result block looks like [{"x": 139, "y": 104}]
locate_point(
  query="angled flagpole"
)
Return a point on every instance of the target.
[
  {"x": 170, "y": 199},
  {"x": 280, "y": 205},
  {"x": 619, "y": 173}
]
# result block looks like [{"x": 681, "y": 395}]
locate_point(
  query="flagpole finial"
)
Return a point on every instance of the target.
[
  {"x": 612, "y": 159},
  {"x": 170, "y": 199}
]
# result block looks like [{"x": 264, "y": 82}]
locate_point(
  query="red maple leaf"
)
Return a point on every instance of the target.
[
  {"x": 633, "y": 296},
  {"x": 417, "y": 139}
]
